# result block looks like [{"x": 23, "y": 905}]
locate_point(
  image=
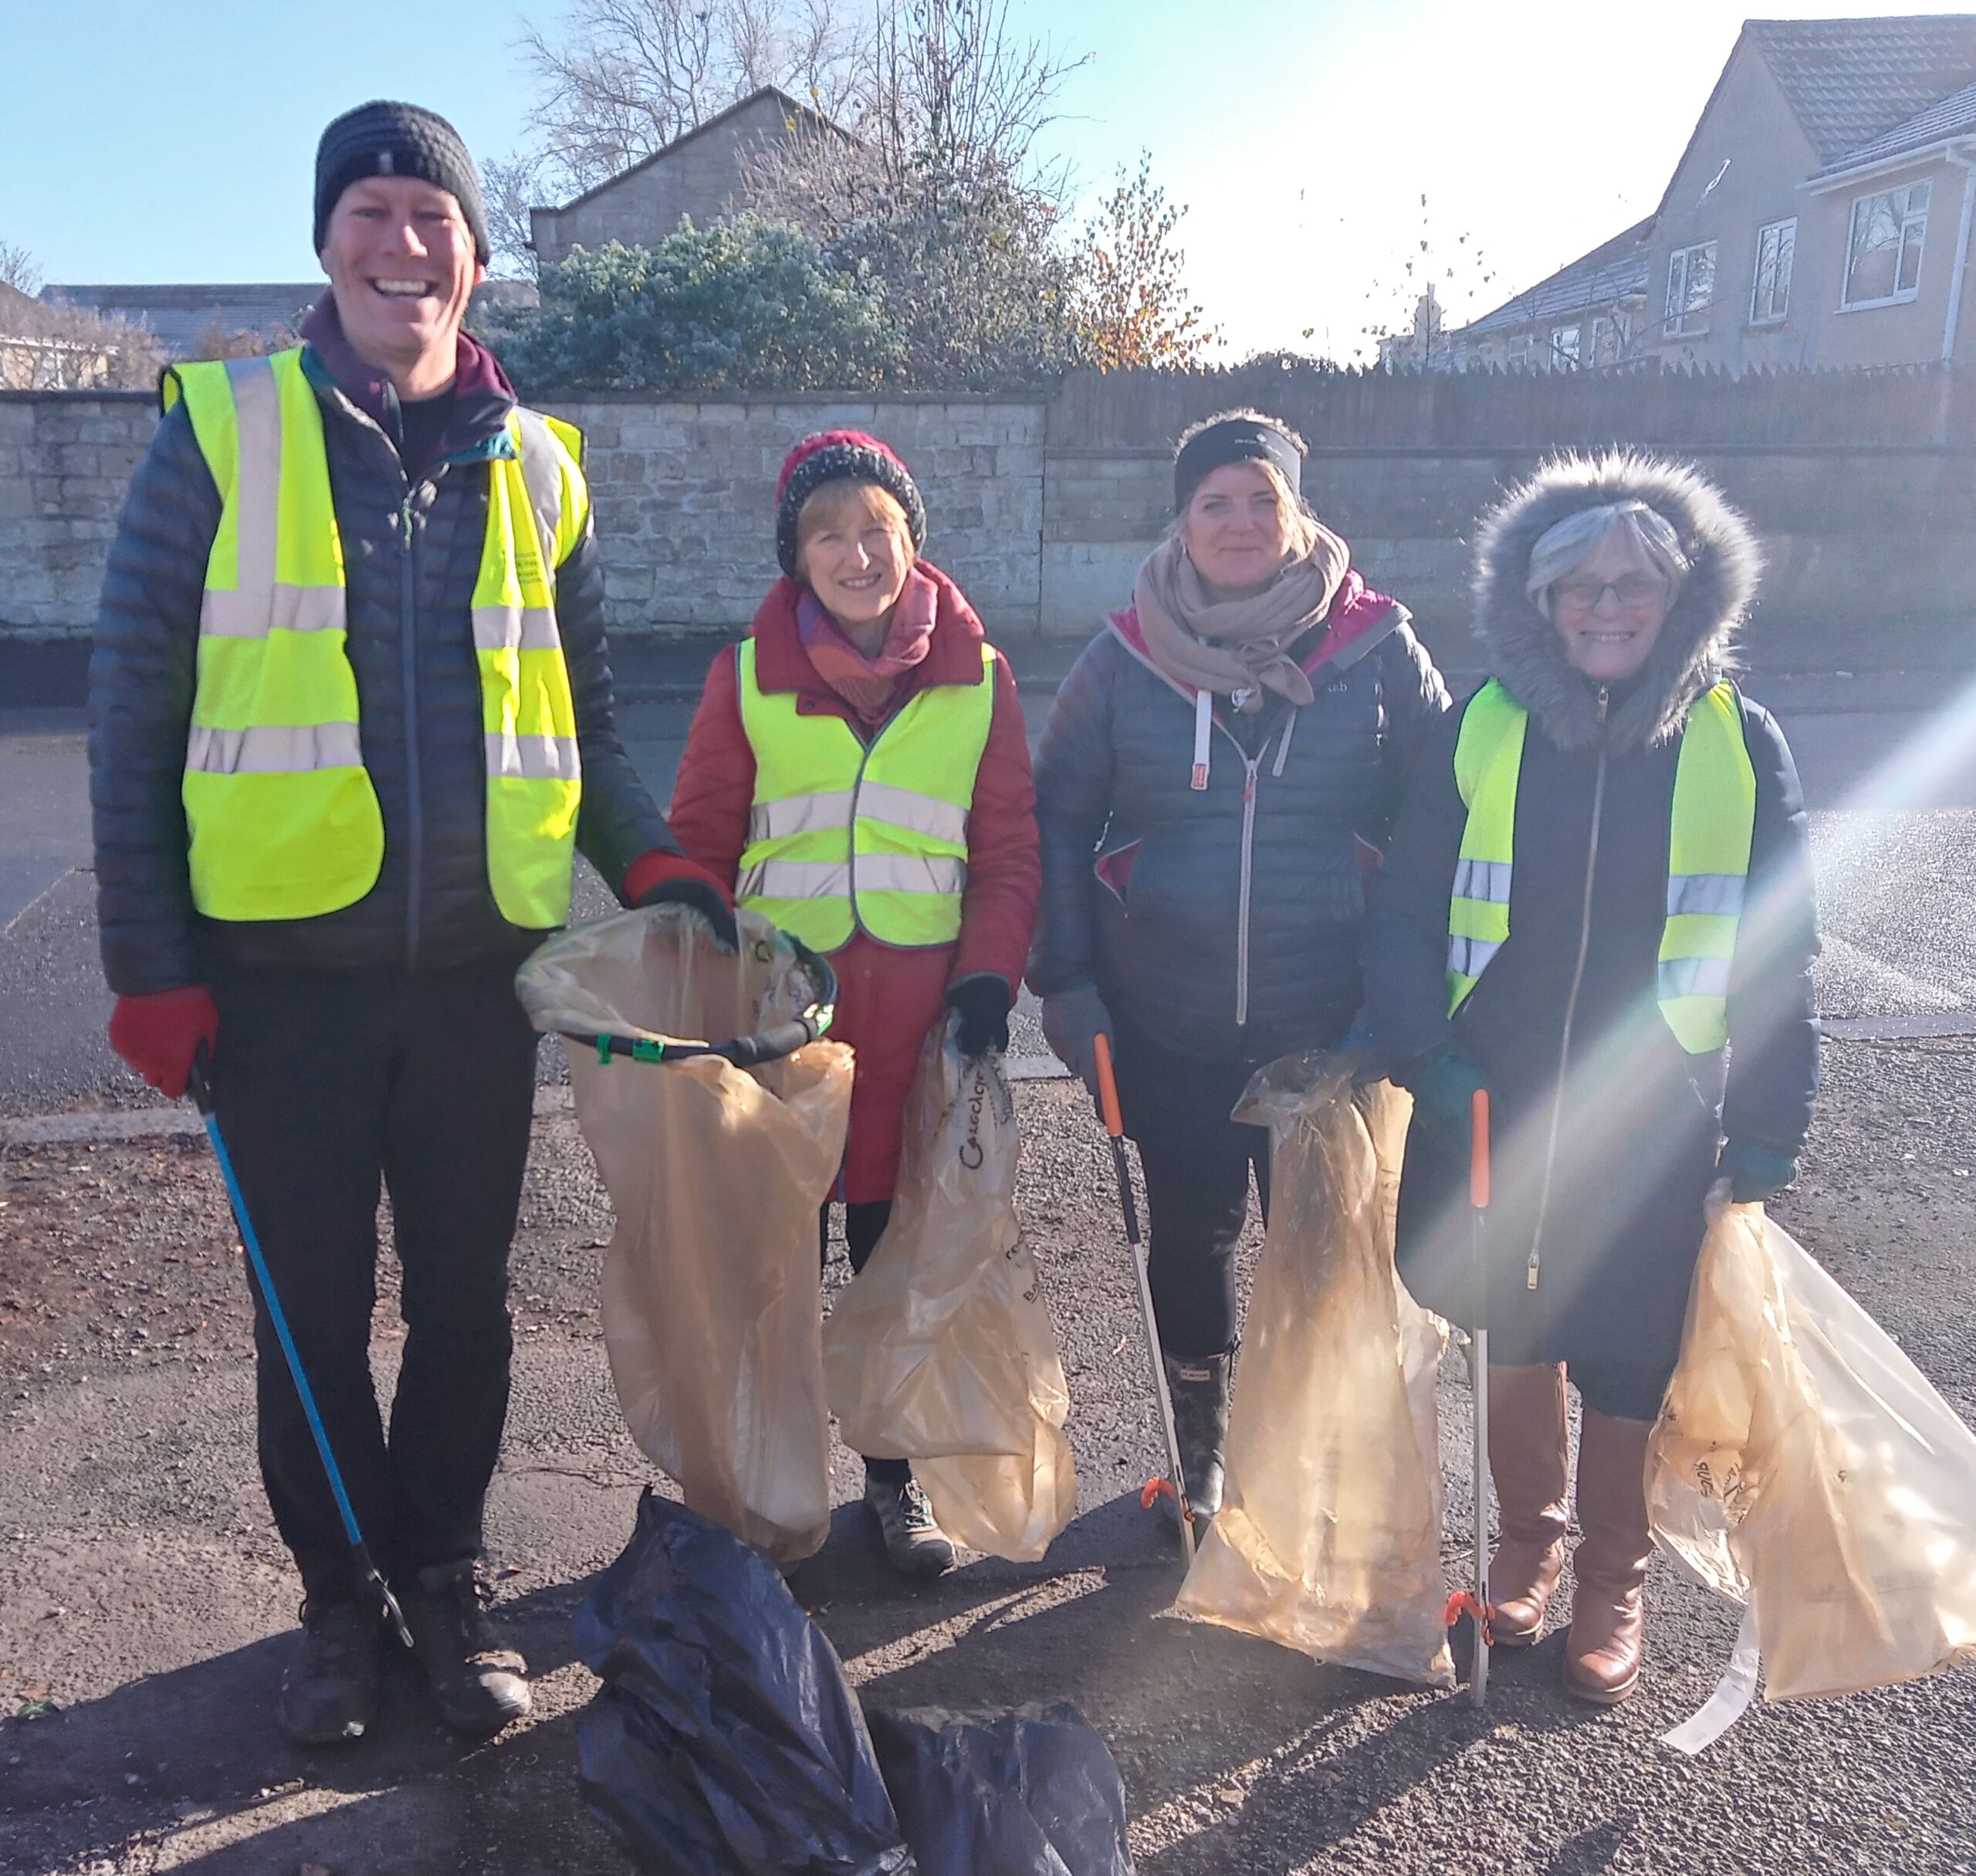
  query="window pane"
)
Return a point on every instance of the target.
[
  {"x": 1873, "y": 266},
  {"x": 1701, "y": 277},
  {"x": 1917, "y": 198},
  {"x": 1910, "y": 253}
]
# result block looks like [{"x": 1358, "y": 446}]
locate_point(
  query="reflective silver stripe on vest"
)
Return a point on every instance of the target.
[
  {"x": 796, "y": 879},
  {"x": 542, "y": 471},
  {"x": 910, "y": 872},
  {"x": 1468, "y": 956},
  {"x": 534, "y": 758},
  {"x": 914, "y": 812},
  {"x": 1484, "y": 880},
  {"x": 519, "y": 628},
  {"x": 1719, "y": 893},
  {"x": 876, "y": 872},
  {"x": 1693, "y": 977},
  {"x": 255, "y": 604},
  {"x": 799, "y": 814},
  {"x": 268, "y": 750}
]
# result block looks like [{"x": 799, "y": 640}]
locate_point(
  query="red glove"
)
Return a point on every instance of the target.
[
  {"x": 159, "y": 1035},
  {"x": 658, "y": 878}
]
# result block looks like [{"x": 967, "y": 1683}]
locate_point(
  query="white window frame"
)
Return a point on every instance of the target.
[
  {"x": 1914, "y": 222},
  {"x": 1687, "y": 318},
  {"x": 1774, "y": 308},
  {"x": 1521, "y": 349},
  {"x": 1604, "y": 323}
]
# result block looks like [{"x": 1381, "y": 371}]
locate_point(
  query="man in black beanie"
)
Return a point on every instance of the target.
[{"x": 351, "y": 720}]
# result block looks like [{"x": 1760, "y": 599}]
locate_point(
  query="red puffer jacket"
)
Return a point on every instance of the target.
[{"x": 887, "y": 997}]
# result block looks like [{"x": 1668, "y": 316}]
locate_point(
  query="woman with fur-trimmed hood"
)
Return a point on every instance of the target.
[{"x": 1597, "y": 903}]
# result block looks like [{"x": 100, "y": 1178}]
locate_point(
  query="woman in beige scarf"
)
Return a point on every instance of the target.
[{"x": 1212, "y": 772}]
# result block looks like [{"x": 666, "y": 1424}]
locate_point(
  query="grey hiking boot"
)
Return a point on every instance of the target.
[
  {"x": 1200, "y": 1389},
  {"x": 477, "y": 1683},
  {"x": 329, "y": 1694},
  {"x": 915, "y": 1545}
]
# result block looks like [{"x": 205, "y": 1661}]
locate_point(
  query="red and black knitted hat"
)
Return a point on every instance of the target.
[{"x": 833, "y": 456}]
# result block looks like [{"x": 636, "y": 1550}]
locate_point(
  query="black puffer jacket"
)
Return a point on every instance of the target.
[
  {"x": 1224, "y": 921},
  {"x": 1614, "y": 1208},
  {"x": 410, "y": 644}
]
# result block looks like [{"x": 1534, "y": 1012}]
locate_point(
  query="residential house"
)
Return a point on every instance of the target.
[
  {"x": 700, "y": 174},
  {"x": 204, "y": 321},
  {"x": 1592, "y": 312},
  {"x": 1820, "y": 215}
]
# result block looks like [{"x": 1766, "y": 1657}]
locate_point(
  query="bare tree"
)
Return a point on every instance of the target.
[
  {"x": 625, "y": 77},
  {"x": 74, "y": 348},
  {"x": 19, "y": 269},
  {"x": 509, "y": 187}
]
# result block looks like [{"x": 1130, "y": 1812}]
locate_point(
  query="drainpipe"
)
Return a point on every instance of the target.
[{"x": 1968, "y": 169}]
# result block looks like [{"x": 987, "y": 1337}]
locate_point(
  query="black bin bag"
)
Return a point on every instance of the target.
[
  {"x": 726, "y": 1740},
  {"x": 1032, "y": 1792}
]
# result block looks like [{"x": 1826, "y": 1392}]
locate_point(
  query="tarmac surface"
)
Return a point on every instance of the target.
[{"x": 145, "y": 1600}]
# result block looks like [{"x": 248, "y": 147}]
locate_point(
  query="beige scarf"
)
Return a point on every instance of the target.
[{"x": 1236, "y": 649}]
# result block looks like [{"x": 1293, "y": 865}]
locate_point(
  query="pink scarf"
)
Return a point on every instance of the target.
[{"x": 867, "y": 684}]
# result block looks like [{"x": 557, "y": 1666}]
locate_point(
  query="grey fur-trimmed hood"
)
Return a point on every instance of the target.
[{"x": 1697, "y": 643}]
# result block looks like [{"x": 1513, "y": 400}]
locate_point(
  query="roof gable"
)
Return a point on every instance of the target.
[
  {"x": 1850, "y": 81},
  {"x": 1610, "y": 271},
  {"x": 792, "y": 107}
]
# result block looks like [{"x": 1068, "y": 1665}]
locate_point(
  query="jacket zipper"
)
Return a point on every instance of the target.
[
  {"x": 1250, "y": 764},
  {"x": 1535, "y": 1266},
  {"x": 414, "y": 802}
]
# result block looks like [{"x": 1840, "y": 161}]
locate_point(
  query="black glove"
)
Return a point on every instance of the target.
[
  {"x": 1072, "y": 1019},
  {"x": 983, "y": 999},
  {"x": 702, "y": 896},
  {"x": 1754, "y": 1174},
  {"x": 1444, "y": 1088}
]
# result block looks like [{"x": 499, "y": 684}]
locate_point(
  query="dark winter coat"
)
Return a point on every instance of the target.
[
  {"x": 1613, "y": 1204},
  {"x": 1225, "y": 921},
  {"x": 410, "y": 554},
  {"x": 888, "y": 996}
]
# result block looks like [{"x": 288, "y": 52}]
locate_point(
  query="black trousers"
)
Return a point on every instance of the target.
[
  {"x": 1197, "y": 1163},
  {"x": 327, "y": 1088},
  {"x": 863, "y": 1225}
]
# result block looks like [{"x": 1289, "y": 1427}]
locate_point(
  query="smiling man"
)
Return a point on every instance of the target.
[{"x": 351, "y": 719}]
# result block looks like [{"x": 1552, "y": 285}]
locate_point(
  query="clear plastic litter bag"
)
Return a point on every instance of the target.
[
  {"x": 941, "y": 1350},
  {"x": 712, "y": 1295},
  {"x": 1801, "y": 1458},
  {"x": 1329, "y": 1536}
]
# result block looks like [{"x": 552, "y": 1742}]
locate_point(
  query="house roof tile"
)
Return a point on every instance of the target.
[
  {"x": 1612, "y": 271},
  {"x": 1848, "y": 82}
]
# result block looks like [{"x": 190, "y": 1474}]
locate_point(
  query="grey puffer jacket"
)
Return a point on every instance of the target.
[
  {"x": 411, "y": 552},
  {"x": 1223, "y": 922}
]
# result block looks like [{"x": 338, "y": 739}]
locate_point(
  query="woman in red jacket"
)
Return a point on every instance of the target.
[{"x": 857, "y": 771}]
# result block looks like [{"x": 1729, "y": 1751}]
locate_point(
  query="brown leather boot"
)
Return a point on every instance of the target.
[
  {"x": 1603, "y": 1651},
  {"x": 1529, "y": 1460}
]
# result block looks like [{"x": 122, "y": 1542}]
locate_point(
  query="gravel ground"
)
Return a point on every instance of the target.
[{"x": 143, "y": 1594}]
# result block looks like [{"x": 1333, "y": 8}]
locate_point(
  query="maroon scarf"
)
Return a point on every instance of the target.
[{"x": 867, "y": 684}]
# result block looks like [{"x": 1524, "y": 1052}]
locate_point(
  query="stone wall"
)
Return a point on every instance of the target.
[
  {"x": 65, "y": 459},
  {"x": 1872, "y": 549}
]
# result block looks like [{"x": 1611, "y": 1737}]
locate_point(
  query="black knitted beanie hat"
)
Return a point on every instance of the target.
[{"x": 384, "y": 139}]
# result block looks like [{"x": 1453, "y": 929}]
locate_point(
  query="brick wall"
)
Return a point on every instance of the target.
[{"x": 1872, "y": 549}]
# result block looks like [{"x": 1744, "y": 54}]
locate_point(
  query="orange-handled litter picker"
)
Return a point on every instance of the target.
[
  {"x": 1174, "y": 1484},
  {"x": 1478, "y": 1208}
]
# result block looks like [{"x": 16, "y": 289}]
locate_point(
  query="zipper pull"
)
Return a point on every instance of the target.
[
  {"x": 1249, "y": 786},
  {"x": 404, "y": 537},
  {"x": 1604, "y": 695},
  {"x": 1530, "y": 1270}
]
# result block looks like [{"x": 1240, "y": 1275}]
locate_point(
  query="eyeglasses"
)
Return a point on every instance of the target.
[{"x": 1582, "y": 595}]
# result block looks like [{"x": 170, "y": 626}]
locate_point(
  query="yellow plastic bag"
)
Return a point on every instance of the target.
[
  {"x": 1329, "y": 1536},
  {"x": 1801, "y": 1460},
  {"x": 712, "y": 1296},
  {"x": 941, "y": 1350}
]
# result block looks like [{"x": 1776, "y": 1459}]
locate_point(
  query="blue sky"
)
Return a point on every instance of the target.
[{"x": 175, "y": 140}]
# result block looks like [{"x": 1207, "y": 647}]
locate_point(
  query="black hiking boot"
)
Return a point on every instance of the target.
[
  {"x": 915, "y": 1544},
  {"x": 329, "y": 1694},
  {"x": 1199, "y": 1388},
  {"x": 477, "y": 1683}
]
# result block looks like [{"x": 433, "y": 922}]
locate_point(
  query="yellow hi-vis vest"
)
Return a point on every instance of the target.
[
  {"x": 283, "y": 819},
  {"x": 843, "y": 834},
  {"x": 1714, "y": 816}
]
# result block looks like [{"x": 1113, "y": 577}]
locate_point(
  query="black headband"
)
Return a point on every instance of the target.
[{"x": 1235, "y": 439}]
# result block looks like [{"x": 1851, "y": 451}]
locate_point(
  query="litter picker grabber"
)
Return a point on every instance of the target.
[
  {"x": 369, "y": 1578},
  {"x": 1174, "y": 1484},
  {"x": 1473, "y": 1602}
]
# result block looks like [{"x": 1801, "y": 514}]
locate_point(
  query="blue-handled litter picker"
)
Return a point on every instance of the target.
[{"x": 369, "y": 1577}]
